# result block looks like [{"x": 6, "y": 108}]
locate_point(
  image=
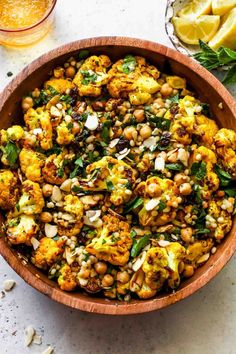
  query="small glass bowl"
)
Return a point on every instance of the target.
[{"x": 31, "y": 34}]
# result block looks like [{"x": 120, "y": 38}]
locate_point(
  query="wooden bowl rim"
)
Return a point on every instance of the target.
[{"x": 111, "y": 306}]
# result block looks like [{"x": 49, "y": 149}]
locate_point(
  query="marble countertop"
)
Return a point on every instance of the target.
[{"x": 202, "y": 323}]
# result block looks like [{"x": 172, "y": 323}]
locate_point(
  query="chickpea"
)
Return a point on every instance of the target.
[
  {"x": 139, "y": 115},
  {"x": 181, "y": 267},
  {"x": 186, "y": 234},
  {"x": 188, "y": 271},
  {"x": 159, "y": 101},
  {"x": 173, "y": 157},
  {"x": 100, "y": 267},
  {"x": 70, "y": 72},
  {"x": 36, "y": 93},
  {"x": 123, "y": 277},
  {"x": 129, "y": 132},
  {"x": 166, "y": 90},
  {"x": 27, "y": 103},
  {"x": 154, "y": 190},
  {"x": 185, "y": 188},
  {"x": 84, "y": 273},
  {"x": 179, "y": 178},
  {"x": 76, "y": 128},
  {"x": 47, "y": 190},
  {"x": 46, "y": 217},
  {"x": 58, "y": 72},
  {"x": 107, "y": 280},
  {"x": 145, "y": 132}
]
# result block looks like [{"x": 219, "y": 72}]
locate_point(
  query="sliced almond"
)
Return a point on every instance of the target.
[
  {"x": 152, "y": 203},
  {"x": 54, "y": 111},
  {"x": 88, "y": 200},
  {"x": 159, "y": 163},
  {"x": 8, "y": 284},
  {"x": 96, "y": 224},
  {"x": 92, "y": 122},
  {"x": 56, "y": 194},
  {"x": 93, "y": 215},
  {"x": 37, "y": 339},
  {"x": 113, "y": 143},
  {"x": 66, "y": 185},
  {"x": 163, "y": 243},
  {"x": 49, "y": 350},
  {"x": 50, "y": 230},
  {"x": 35, "y": 243},
  {"x": 203, "y": 258},
  {"x": 139, "y": 262},
  {"x": 29, "y": 335},
  {"x": 70, "y": 256}
]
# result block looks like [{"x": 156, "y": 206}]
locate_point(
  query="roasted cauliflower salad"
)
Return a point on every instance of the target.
[{"x": 119, "y": 182}]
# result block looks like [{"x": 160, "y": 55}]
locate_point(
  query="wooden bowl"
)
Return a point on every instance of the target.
[{"x": 208, "y": 88}]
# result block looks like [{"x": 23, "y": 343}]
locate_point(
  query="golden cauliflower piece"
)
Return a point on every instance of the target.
[
  {"x": 132, "y": 77},
  {"x": 203, "y": 156},
  {"x": 110, "y": 174},
  {"x": 160, "y": 200},
  {"x": 225, "y": 143},
  {"x": 139, "y": 286},
  {"x": 196, "y": 250},
  {"x": 205, "y": 129},
  {"x": 112, "y": 242},
  {"x": 9, "y": 190},
  {"x": 222, "y": 217},
  {"x": 64, "y": 135},
  {"x": 53, "y": 170},
  {"x": 60, "y": 85},
  {"x": 92, "y": 75},
  {"x": 31, "y": 200},
  {"x": 31, "y": 163},
  {"x": 21, "y": 229},
  {"x": 74, "y": 207},
  {"x": 66, "y": 279},
  {"x": 15, "y": 132},
  {"x": 176, "y": 82},
  {"x": 38, "y": 122},
  {"x": 161, "y": 264},
  {"x": 47, "y": 253}
]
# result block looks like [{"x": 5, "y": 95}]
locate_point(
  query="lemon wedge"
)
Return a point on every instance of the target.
[
  {"x": 191, "y": 30},
  {"x": 220, "y": 7},
  {"x": 226, "y": 36},
  {"x": 196, "y": 8}
]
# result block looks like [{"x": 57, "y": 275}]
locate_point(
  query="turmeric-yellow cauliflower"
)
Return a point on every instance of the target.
[
  {"x": 92, "y": 75},
  {"x": 38, "y": 122},
  {"x": 112, "y": 242},
  {"x": 9, "y": 189},
  {"x": 160, "y": 200},
  {"x": 64, "y": 134},
  {"x": 73, "y": 207},
  {"x": 196, "y": 250},
  {"x": 53, "y": 170},
  {"x": 132, "y": 77},
  {"x": 110, "y": 174},
  {"x": 223, "y": 218},
  {"x": 31, "y": 163},
  {"x": 60, "y": 85},
  {"x": 47, "y": 253},
  {"x": 21, "y": 229},
  {"x": 66, "y": 279},
  {"x": 161, "y": 264},
  {"x": 225, "y": 143}
]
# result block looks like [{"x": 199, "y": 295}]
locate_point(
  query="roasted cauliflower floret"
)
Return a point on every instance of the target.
[
  {"x": 203, "y": 159},
  {"x": 48, "y": 252},
  {"x": 31, "y": 200},
  {"x": 161, "y": 264},
  {"x": 9, "y": 190},
  {"x": 196, "y": 250},
  {"x": 38, "y": 122},
  {"x": 110, "y": 174},
  {"x": 205, "y": 129},
  {"x": 64, "y": 134},
  {"x": 113, "y": 241},
  {"x": 73, "y": 208},
  {"x": 53, "y": 170},
  {"x": 66, "y": 279},
  {"x": 176, "y": 82},
  {"x": 15, "y": 132},
  {"x": 160, "y": 200},
  {"x": 21, "y": 229},
  {"x": 31, "y": 164},
  {"x": 221, "y": 217},
  {"x": 60, "y": 85},
  {"x": 92, "y": 75},
  {"x": 132, "y": 77},
  {"x": 225, "y": 143}
]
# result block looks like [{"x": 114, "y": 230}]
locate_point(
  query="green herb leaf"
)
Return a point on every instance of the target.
[
  {"x": 129, "y": 64},
  {"x": 174, "y": 99},
  {"x": 224, "y": 177},
  {"x": 161, "y": 123},
  {"x": 133, "y": 233},
  {"x": 83, "y": 54},
  {"x": 70, "y": 125},
  {"x": 89, "y": 76},
  {"x": 230, "y": 77},
  {"x": 199, "y": 170},
  {"x": 66, "y": 98},
  {"x": 206, "y": 109},
  {"x": 12, "y": 151},
  {"x": 161, "y": 206},
  {"x": 133, "y": 204},
  {"x": 110, "y": 186},
  {"x": 202, "y": 231},
  {"x": 175, "y": 166},
  {"x": 79, "y": 162},
  {"x": 138, "y": 245},
  {"x": 105, "y": 133},
  {"x": 231, "y": 192}
]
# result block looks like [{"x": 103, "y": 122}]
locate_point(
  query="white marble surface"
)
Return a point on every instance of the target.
[{"x": 204, "y": 323}]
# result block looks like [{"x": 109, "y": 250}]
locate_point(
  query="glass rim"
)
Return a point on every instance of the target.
[{"x": 48, "y": 13}]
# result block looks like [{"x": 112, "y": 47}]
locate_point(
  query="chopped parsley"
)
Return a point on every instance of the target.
[
  {"x": 89, "y": 76},
  {"x": 12, "y": 151},
  {"x": 129, "y": 64},
  {"x": 199, "y": 170},
  {"x": 135, "y": 203}
]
